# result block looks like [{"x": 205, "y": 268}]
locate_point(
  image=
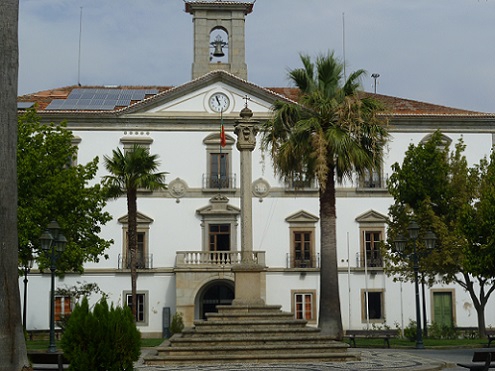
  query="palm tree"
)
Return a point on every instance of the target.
[
  {"x": 332, "y": 132},
  {"x": 132, "y": 171}
]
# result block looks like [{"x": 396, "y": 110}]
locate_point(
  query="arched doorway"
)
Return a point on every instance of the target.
[{"x": 216, "y": 293}]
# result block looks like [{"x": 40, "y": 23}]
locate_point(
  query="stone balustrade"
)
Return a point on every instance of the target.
[{"x": 214, "y": 258}]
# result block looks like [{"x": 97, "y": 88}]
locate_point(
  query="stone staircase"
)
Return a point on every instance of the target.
[{"x": 249, "y": 334}]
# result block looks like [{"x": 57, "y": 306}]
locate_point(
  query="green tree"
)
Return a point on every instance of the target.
[
  {"x": 130, "y": 172},
  {"x": 436, "y": 187},
  {"x": 51, "y": 187},
  {"x": 13, "y": 355},
  {"x": 332, "y": 132}
]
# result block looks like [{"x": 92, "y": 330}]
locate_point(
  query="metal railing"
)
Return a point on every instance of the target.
[
  {"x": 295, "y": 261},
  {"x": 142, "y": 261},
  {"x": 372, "y": 259},
  {"x": 223, "y": 182},
  {"x": 214, "y": 258}
]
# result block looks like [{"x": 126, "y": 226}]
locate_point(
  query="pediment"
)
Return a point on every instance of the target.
[
  {"x": 141, "y": 219},
  {"x": 219, "y": 206},
  {"x": 192, "y": 98},
  {"x": 302, "y": 217},
  {"x": 371, "y": 216}
]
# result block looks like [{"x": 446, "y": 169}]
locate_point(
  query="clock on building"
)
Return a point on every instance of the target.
[{"x": 219, "y": 102}]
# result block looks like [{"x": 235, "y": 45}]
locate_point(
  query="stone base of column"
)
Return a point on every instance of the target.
[{"x": 249, "y": 284}]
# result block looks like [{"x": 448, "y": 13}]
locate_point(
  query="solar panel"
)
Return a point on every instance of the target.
[
  {"x": 24, "y": 105},
  {"x": 99, "y": 99}
]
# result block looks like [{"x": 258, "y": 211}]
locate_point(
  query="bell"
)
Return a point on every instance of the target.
[
  {"x": 218, "y": 52},
  {"x": 218, "y": 44}
]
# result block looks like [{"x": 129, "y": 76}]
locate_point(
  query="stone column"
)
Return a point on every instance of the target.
[{"x": 249, "y": 281}]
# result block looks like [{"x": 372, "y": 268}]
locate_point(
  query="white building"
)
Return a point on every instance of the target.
[{"x": 189, "y": 235}]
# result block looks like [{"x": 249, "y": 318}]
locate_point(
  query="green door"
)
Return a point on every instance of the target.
[{"x": 442, "y": 307}]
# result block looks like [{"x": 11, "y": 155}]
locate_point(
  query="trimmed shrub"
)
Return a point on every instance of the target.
[
  {"x": 103, "y": 340},
  {"x": 177, "y": 324}
]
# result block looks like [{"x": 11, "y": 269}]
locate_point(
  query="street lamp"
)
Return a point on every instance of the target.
[
  {"x": 400, "y": 246},
  {"x": 54, "y": 241},
  {"x": 28, "y": 264}
]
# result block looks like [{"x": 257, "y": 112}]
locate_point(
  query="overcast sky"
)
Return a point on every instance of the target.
[{"x": 437, "y": 51}]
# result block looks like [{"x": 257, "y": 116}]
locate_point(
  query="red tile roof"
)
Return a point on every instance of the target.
[{"x": 397, "y": 106}]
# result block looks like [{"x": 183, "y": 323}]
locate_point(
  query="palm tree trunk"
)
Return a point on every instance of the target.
[
  {"x": 330, "y": 319},
  {"x": 13, "y": 355},
  {"x": 132, "y": 240}
]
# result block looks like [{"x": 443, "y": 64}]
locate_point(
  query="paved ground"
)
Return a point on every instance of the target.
[{"x": 371, "y": 359}]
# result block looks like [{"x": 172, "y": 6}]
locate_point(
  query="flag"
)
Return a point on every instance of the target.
[{"x": 223, "y": 140}]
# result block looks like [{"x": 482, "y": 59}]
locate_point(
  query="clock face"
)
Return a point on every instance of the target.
[{"x": 219, "y": 102}]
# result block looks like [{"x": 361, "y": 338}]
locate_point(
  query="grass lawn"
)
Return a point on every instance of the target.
[
  {"x": 428, "y": 343},
  {"x": 43, "y": 344}
]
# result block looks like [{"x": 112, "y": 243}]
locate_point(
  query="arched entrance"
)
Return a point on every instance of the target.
[{"x": 216, "y": 293}]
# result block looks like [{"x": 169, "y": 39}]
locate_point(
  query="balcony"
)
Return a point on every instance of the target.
[
  {"x": 142, "y": 262},
  {"x": 213, "y": 259},
  {"x": 372, "y": 259},
  {"x": 218, "y": 183},
  {"x": 302, "y": 262}
]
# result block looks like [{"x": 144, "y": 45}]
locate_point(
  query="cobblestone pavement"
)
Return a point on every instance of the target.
[{"x": 373, "y": 359}]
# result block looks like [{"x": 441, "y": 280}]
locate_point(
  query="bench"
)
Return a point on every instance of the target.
[
  {"x": 386, "y": 335},
  {"x": 40, "y": 334},
  {"x": 49, "y": 361},
  {"x": 482, "y": 361}
]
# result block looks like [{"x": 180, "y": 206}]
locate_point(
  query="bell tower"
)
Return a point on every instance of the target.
[{"x": 219, "y": 36}]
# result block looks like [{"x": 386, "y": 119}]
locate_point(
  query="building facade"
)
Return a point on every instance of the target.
[{"x": 189, "y": 235}]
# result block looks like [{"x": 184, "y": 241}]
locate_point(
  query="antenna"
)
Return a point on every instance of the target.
[
  {"x": 343, "y": 43},
  {"x": 79, "y": 56}
]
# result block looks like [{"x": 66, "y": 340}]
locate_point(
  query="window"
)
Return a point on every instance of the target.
[
  {"x": 372, "y": 301},
  {"x": 371, "y": 179},
  {"x": 62, "y": 307},
  {"x": 218, "y": 174},
  {"x": 142, "y": 306},
  {"x": 304, "y": 304},
  {"x": 303, "y": 246},
  {"x": 219, "y": 237},
  {"x": 372, "y": 231},
  {"x": 218, "y": 228},
  {"x": 144, "y": 260},
  {"x": 372, "y": 241},
  {"x": 302, "y": 226}
]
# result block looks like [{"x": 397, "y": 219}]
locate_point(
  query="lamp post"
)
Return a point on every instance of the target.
[
  {"x": 28, "y": 264},
  {"x": 400, "y": 245},
  {"x": 54, "y": 242}
]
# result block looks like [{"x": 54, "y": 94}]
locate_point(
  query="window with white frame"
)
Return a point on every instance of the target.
[
  {"x": 63, "y": 307},
  {"x": 142, "y": 306},
  {"x": 304, "y": 305}
]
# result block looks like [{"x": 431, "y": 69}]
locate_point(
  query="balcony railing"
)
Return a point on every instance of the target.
[
  {"x": 223, "y": 182},
  {"x": 142, "y": 262},
  {"x": 303, "y": 262},
  {"x": 214, "y": 258},
  {"x": 372, "y": 259}
]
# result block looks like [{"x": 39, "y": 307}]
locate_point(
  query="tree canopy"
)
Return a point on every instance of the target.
[
  {"x": 53, "y": 187},
  {"x": 435, "y": 187}
]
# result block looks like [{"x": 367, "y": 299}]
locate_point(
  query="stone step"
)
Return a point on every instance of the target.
[
  {"x": 228, "y": 316},
  {"x": 223, "y": 350},
  {"x": 200, "y": 325},
  {"x": 251, "y": 358},
  {"x": 250, "y": 331},
  {"x": 273, "y": 339},
  {"x": 249, "y": 308}
]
